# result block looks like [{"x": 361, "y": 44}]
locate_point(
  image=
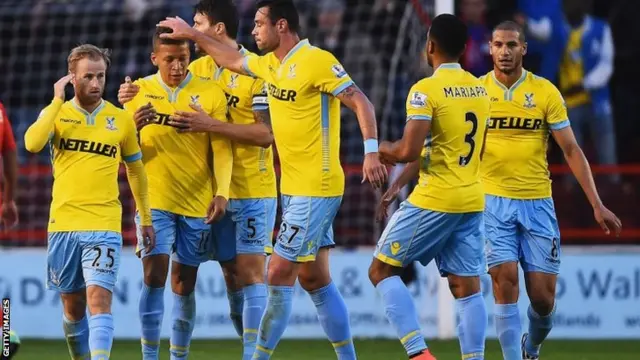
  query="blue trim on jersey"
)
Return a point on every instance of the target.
[
  {"x": 295, "y": 49},
  {"x": 419, "y": 117},
  {"x": 259, "y": 107},
  {"x": 134, "y": 157},
  {"x": 508, "y": 92},
  {"x": 217, "y": 73},
  {"x": 182, "y": 85},
  {"x": 245, "y": 67},
  {"x": 243, "y": 51},
  {"x": 517, "y": 83},
  {"x": 342, "y": 87},
  {"x": 559, "y": 125},
  {"x": 89, "y": 117},
  {"x": 324, "y": 118},
  {"x": 173, "y": 94}
]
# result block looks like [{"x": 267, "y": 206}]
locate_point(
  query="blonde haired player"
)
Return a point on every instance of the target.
[{"x": 89, "y": 137}]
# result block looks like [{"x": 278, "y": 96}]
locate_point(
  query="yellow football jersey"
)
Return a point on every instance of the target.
[
  {"x": 253, "y": 174},
  {"x": 181, "y": 166},
  {"x": 457, "y": 105},
  {"x": 515, "y": 158},
  {"x": 305, "y": 116},
  {"x": 86, "y": 151}
]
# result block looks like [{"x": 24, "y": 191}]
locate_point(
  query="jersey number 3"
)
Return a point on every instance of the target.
[{"x": 470, "y": 138}]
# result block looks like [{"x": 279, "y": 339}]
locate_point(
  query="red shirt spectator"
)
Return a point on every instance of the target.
[{"x": 9, "y": 212}]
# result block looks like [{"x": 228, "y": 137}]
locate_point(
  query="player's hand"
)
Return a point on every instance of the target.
[
  {"x": 216, "y": 209},
  {"x": 388, "y": 197},
  {"x": 9, "y": 215},
  {"x": 144, "y": 116},
  {"x": 373, "y": 170},
  {"x": 60, "y": 85},
  {"x": 181, "y": 30},
  {"x": 128, "y": 90},
  {"x": 198, "y": 121},
  {"x": 383, "y": 149},
  {"x": 148, "y": 237},
  {"x": 608, "y": 220}
]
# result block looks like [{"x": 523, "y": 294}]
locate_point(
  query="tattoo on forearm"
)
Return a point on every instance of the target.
[
  {"x": 350, "y": 92},
  {"x": 263, "y": 117}
]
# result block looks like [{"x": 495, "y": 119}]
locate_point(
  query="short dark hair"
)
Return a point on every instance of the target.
[
  {"x": 157, "y": 40},
  {"x": 223, "y": 11},
  {"x": 282, "y": 9},
  {"x": 511, "y": 26},
  {"x": 450, "y": 33}
]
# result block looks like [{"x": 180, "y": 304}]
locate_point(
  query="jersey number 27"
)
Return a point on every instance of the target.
[{"x": 469, "y": 138}]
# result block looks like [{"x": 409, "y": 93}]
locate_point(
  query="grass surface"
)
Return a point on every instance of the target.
[{"x": 321, "y": 350}]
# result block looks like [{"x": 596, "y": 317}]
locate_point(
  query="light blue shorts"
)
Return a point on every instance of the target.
[
  {"x": 522, "y": 230},
  {"x": 247, "y": 228},
  {"x": 184, "y": 238},
  {"x": 77, "y": 259},
  {"x": 455, "y": 241},
  {"x": 307, "y": 226}
]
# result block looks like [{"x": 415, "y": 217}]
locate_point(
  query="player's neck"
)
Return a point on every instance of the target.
[
  {"x": 231, "y": 42},
  {"x": 287, "y": 42},
  {"x": 437, "y": 62},
  {"x": 87, "y": 107},
  {"x": 508, "y": 79}
]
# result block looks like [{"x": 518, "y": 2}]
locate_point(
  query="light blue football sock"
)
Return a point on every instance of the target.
[
  {"x": 539, "y": 328},
  {"x": 275, "y": 320},
  {"x": 401, "y": 313},
  {"x": 100, "y": 336},
  {"x": 334, "y": 318},
  {"x": 151, "y": 312},
  {"x": 509, "y": 330},
  {"x": 255, "y": 301},
  {"x": 183, "y": 318},
  {"x": 472, "y": 329},
  {"x": 77, "y": 335}
]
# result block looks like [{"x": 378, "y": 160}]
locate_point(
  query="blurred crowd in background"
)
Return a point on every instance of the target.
[{"x": 587, "y": 47}]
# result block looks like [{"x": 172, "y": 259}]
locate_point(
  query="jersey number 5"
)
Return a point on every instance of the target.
[{"x": 470, "y": 138}]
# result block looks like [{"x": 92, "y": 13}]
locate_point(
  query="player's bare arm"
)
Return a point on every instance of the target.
[
  {"x": 408, "y": 148},
  {"x": 38, "y": 134},
  {"x": 410, "y": 172},
  {"x": 580, "y": 168},
  {"x": 353, "y": 98},
  {"x": 223, "y": 54},
  {"x": 257, "y": 134}
]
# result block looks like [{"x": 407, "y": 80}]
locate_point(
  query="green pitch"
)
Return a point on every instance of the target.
[{"x": 321, "y": 350}]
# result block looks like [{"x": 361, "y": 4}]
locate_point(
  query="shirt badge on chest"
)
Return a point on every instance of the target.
[
  {"x": 111, "y": 123},
  {"x": 528, "y": 101}
]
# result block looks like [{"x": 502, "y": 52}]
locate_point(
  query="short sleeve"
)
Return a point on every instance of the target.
[
  {"x": 556, "y": 112},
  {"x": 420, "y": 106},
  {"x": 130, "y": 148},
  {"x": 255, "y": 66},
  {"x": 219, "y": 106},
  {"x": 328, "y": 74},
  {"x": 259, "y": 99}
]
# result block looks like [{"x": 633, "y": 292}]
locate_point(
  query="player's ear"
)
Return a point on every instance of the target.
[
  {"x": 524, "y": 48},
  {"x": 220, "y": 28},
  {"x": 153, "y": 59},
  {"x": 490, "y": 48}
]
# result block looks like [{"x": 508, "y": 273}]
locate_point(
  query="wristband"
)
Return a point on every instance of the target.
[{"x": 370, "y": 146}]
